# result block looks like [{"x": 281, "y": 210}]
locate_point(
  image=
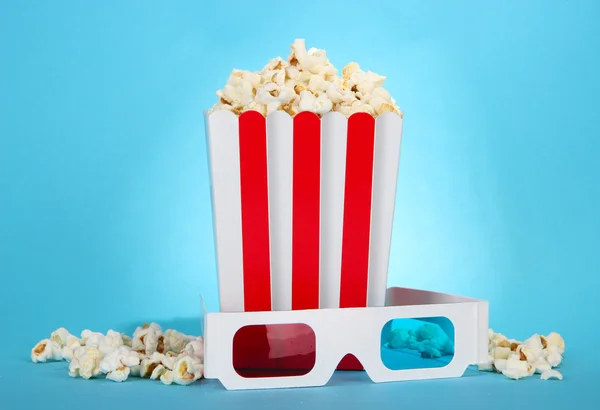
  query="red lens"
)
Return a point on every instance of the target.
[{"x": 274, "y": 350}]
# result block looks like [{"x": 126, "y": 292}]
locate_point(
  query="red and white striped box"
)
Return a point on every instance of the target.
[{"x": 303, "y": 209}]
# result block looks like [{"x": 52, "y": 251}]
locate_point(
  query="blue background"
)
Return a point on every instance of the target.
[{"x": 104, "y": 203}]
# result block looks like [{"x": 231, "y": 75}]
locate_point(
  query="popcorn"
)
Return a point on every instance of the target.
[
  {"x": 110, "y": 342},
  {"x": 158, "y": 372},
  {"x": 68, "y": 351},
  {"x": 46, "y": 350},
  {"x": 306, "y": 81},
  {"x": 86, "y": 362},
  {"x": 118, "y": 359},
  {"x": 553, "y": 356},
  {"x": 89, "y": 338},
  {"x": 501, "y": 352},
  {"x": 186, "y": 370},
  {"x": 551, "y": 374},
  {"x": 517, "y": 360},
  {"x": 175, "y": 341},
  {"x": 119, "y": 375},
  {"x": 167, "y": 377},
  {"x": 148, "y": 365},
  {"x": 195, "y": 348},
  {"x": 554, "y": 339},
  {"x": 146, "y": 338},
  {"x": 172, "y": 357},
  {"x": 126, "y": 340},
  {"x": 63, "y": 337}
]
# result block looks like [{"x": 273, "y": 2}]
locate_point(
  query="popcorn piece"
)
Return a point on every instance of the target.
[
  {"x": 126, "y": 340},
  {"x": 86, "y": 362},
  {"x": 486, "y": 366},
  {"x": 555, "y": 339},
  {"x": 516, "y": 369},
  {"x": 349, "y": 70},
  {"x": 148, "y": 365},
  {"x": 195, "y": 349},
  {"x": 541, "y": 366},
  {"x": 110, "y": 342},
  {"x": 68, "y": 351},
  {"x": 46, "y": 350},
  {"x": 501, "y": 352},
  {"x": 501, "y": 365},
  {"x": 146, "y": 338},
  {"x": 62, "y": 337},
  {"x": 119, "y": 375},
  {"x": 187, "y": 370},
  {"x": 176, "y": 341},
  {"x": 553, "y": 357},
  {"x": 89, "y": 338},
  {"x": 167, "y": 377},
  {"x": 551, "y": 374},
  {"x": 535, "y": 342},
  {"x": 119, "y": 358},
  {"x": 158, "y": 372}
]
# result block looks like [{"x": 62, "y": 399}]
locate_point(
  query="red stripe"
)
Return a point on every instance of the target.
[
  {"x": 306, "y": 211},
  {"x": 255, "y": 212},
  {"x": 357, "y": 210}
]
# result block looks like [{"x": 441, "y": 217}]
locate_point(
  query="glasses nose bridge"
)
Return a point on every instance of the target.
[{"x": 351, "y": 332}]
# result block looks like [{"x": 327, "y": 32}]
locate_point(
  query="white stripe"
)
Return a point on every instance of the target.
[
  {"x": 334, "y": 132},
  {"x": 388, "y": 134},
  {"x": 279, "y": 163},
  {"x": 224, "y": 164}
]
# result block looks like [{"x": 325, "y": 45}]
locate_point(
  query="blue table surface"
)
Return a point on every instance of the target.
[{"x": 26, "y": 385}]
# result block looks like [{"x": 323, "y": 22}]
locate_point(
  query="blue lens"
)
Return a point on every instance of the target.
[{"x": 419, "y": 343}]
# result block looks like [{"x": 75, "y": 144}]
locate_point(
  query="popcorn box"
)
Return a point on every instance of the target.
[{"x": 303, "y": 210}]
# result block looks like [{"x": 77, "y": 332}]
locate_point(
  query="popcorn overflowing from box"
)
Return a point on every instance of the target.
[
  {"x": 171, "y": 357},
  {"x": 306, "y": 81}
]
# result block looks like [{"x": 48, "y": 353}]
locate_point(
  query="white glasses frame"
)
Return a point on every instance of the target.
[{"x": 335, "y": 339}]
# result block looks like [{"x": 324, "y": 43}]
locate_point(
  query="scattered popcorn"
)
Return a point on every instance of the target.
[
  {"x": 517, "y": 360},
  {"x": 306, "y": 81},
  {"x": 551, "y": 374},
  {"x": 46, "y": 350},
  {"x": 171, "y": 357}
]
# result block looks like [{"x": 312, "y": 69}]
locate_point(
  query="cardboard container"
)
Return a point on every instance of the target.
[{"x": 303, "y": 210}]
